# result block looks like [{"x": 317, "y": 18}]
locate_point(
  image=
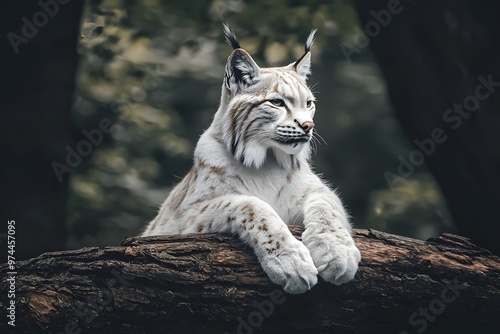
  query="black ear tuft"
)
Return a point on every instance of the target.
[
  {"x": 310, "y": 41},
  {"x": 230, "y": 37},
  {"x": 307, "y": 46}
]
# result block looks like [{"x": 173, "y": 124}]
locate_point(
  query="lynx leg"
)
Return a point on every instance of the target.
[
  {"x": 328, "y": 237},
  {"x": 285, "y": 260}
]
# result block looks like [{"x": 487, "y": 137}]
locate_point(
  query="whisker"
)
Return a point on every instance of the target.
[
  {"x": 315, "y": 133},
  {"x": 314, "y": 145},
  {"x": 313, "y": 88}
]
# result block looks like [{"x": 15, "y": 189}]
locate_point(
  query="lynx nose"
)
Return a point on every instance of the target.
[{"x": 307, "y": 126}]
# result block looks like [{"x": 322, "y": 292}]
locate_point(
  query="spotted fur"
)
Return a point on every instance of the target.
[{"x": 251, "y": 177}]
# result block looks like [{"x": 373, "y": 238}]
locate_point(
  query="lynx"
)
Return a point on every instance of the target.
[{"x": 251, "y": 177}]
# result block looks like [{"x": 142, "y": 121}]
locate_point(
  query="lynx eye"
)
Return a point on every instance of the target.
[
  {"x": 277, "y": 102},
  {"x": 309, "y": 103}
]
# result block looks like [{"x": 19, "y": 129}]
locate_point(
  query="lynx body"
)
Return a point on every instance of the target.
[{"x": 251, "y": 177}]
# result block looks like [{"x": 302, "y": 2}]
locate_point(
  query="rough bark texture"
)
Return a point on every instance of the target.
[
  {"x": 432, "y": 54},
  {"x": 210, "y": 284}
]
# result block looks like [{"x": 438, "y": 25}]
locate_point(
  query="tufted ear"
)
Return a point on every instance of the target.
[
  {"x": 241, "y": 69},
  {"x": 303, "y": 65}
]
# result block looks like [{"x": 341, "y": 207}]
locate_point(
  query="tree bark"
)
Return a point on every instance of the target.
[
  {"x": 210, "y": 283},
  {"x": 441, "y": 62}
]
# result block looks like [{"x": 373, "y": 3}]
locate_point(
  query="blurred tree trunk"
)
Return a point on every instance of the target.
[
  {"x": 437, "y": 58},
  {"x": 212, "y": 283},
  {"x": 38, "y": 67}
]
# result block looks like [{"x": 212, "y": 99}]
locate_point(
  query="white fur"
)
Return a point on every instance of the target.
[{"x": 265, "y": 184}]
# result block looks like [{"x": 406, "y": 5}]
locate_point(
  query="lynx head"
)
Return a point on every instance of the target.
[{"x": 266, "y": 111}]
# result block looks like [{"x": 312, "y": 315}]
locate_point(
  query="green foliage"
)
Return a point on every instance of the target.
[{"x": 155, "y": 68}]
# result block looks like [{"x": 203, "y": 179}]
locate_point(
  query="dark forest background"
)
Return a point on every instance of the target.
[{"x": 152, "y": 70}]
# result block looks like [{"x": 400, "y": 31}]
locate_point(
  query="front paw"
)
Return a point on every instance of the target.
[
  {"x": 333, "y": 252},
  {"x": 292, "y": 268}
]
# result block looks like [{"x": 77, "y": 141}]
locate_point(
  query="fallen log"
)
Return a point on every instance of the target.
[{"x": 209, "y": 283}]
